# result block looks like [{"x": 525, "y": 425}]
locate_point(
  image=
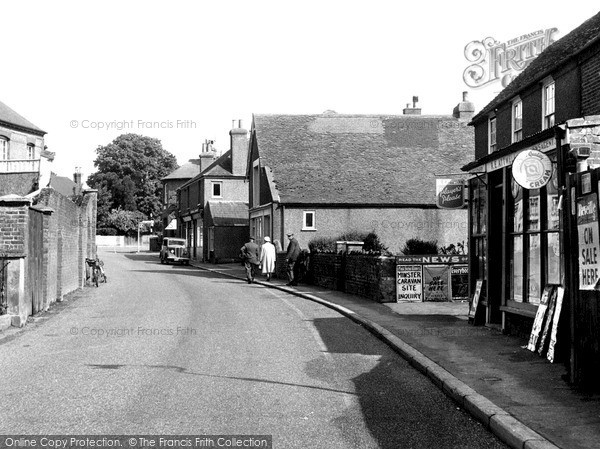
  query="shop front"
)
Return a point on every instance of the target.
[{"x": 515, "y": 231}]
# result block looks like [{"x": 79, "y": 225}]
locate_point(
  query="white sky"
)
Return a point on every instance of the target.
[{"x": 212, "y": 62}]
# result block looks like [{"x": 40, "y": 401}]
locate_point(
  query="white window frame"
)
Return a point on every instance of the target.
[
  {"x": 305, "y": 226},
  {"x": 4, "y": 148},
  {"x": 517, "y": 133},
  {"x": 548, "y": 117},
  {"x": 30, "y": 151},
  {"x": 492, "y": 143},
  {"x": 213, "y": 184}
]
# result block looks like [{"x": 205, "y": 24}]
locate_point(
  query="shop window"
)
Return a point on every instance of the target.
[
  {"x": 478, "y": 193},
  {"x": 548, "y": 103},
  {"x": 517, "y": 120},
  {"x": 533, "y": 241},
  {"x": 492, "y": 134}
]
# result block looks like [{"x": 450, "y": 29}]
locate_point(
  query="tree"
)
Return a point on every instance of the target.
[{"x": 128, "y": 176}]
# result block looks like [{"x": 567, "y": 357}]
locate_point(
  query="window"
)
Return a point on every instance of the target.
[
  {"x": 256, "y": 183},
  {"x": 217, "y": 189},
  {"x": 308, "y": 220},
  {"x": 30, "y": 151},
  {"x": 517, "y": 120},
  {"x": 548, "y": 106},
  {"x": 534, "y": 241},
  {"x": 4, "y": 148},
  {"x": 492, "y": 134}
]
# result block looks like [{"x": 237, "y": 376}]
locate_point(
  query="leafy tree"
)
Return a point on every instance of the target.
[
  {"x": 126, "y": 222},
  {"x": 128, "y": 177},
  {"x": 420, "y": 247}
]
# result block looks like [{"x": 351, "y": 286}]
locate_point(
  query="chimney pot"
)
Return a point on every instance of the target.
[
  {"x": 240, "y": 124},
  {"x": 465, "y": 95}
]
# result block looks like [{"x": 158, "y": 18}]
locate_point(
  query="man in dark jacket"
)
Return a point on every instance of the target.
[
  {"x": 251, "y": 260},
  {"x": 293, "y": 252}
]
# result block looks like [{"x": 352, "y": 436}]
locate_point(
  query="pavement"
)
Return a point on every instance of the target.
[{"x": 519, "y": 396}]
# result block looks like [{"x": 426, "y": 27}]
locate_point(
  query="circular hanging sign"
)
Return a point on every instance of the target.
[{"x": 532, "y": 169}]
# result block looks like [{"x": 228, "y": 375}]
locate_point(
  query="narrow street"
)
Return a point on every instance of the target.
[{"x": 165, "y": 349}]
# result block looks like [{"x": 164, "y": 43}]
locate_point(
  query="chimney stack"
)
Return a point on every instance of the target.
[
  {"x": 415, "y": 110},
  {"x": 208, "y": 154},
  {"x": 77, "y": 180},
  {"x": 239, "y": 149},
  {"x": 465, "y": 110}
]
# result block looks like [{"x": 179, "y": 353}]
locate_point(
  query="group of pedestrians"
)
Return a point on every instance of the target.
[{"x": 263, "y": 258}]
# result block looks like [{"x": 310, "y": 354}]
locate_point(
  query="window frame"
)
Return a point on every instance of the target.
[
  {"x": 305, "y": 214},
  {"x": 214, "y": 184},
  {"x": 4, "y": 148},
  {"x": 548, "y": 118},
  {"x": 517, "y": 132},
  {"x": 492, "y": 143},
  {"x": 30, "y": 151}
]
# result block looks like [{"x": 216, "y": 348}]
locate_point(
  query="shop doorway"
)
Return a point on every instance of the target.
[{"x": 496, "y": 255}]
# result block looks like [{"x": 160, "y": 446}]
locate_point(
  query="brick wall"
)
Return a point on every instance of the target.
[
  {"x": 13, "y": 222},
  {"x": 590, "y": 86},
  {"x": 358, "y": 274}
]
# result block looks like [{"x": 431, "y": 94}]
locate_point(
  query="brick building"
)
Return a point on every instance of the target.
[
  {"x": 523, "y": 235},
  {"x": 323, "y": 175},
  {"x": 212, "y": 206},
  {"x": 23, "y": 156}
]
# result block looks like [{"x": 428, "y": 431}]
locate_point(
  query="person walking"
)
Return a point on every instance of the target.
[
  {"x": 250, "y": 256},
  {"x": 267, "y": 258},
  {"x": 293, "y": 251}
]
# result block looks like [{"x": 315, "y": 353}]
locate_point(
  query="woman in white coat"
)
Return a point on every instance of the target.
[{"x": 267, "y": 258}]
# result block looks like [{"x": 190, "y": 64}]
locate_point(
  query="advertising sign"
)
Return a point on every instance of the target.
[
  {"x": 450, "y": 193},
  {"x": 589, "y": 240},
  {"x": 532, "y": 169},
  {"x": 435, "y": 283},
  {"x": 409, "y": 283},
  {"x": 459, "y": 281}
]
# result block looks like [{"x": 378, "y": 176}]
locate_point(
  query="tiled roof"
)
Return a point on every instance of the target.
[
  {"x": 360, "y": 159},
  {"x": 62, "y": 184},
  {"x": 186, "y": 171},
  {"x": 228, "y": 213},
  {"x": 552, "y": 57},
  {"x": 10, "y": 117},
  {"x": 220, "y": 167}
]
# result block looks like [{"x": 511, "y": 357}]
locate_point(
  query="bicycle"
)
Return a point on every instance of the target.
[{"x": 98, "y": 274}]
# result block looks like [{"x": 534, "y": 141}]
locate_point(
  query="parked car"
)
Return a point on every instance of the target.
[{"x": 174, "y": 250}]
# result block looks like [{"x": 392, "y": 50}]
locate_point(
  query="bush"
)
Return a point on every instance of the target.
[
  {"x": 322, "y": 245},
  {"x": 373, "y": 244},
  {"x": 106, "y": 231},
  {"x": 418, "y": 247},
  {"x": 459, "y": 248}
]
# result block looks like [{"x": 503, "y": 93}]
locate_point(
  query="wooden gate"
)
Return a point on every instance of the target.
[{"x": 35, "y": 261}]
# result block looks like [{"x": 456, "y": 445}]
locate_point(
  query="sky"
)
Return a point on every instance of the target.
[{"x": 181, "y": 71}]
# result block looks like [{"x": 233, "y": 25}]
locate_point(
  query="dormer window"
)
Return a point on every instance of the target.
[
  {"x": 4, "y": 155},
  {"x": 517, "y": 120},
  {"x": 492, "y": 133},
  {"x": 548, "y": 105}
]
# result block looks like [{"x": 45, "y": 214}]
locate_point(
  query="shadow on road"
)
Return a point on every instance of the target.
[{"x": 400, "y": 407}]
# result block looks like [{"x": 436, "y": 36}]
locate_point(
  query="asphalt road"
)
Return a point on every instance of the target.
[{"x": 176, "y": 350}]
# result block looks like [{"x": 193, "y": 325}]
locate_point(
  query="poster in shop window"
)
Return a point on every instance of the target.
[{"x": 589, "y": 241}]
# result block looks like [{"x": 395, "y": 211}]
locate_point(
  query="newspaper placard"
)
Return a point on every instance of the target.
[
  {"x": 409, "y": 283},
  {"x": 589, "y": 241}
]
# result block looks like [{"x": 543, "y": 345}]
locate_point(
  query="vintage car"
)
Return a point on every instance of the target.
[{"x": 174, "y": 250}]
